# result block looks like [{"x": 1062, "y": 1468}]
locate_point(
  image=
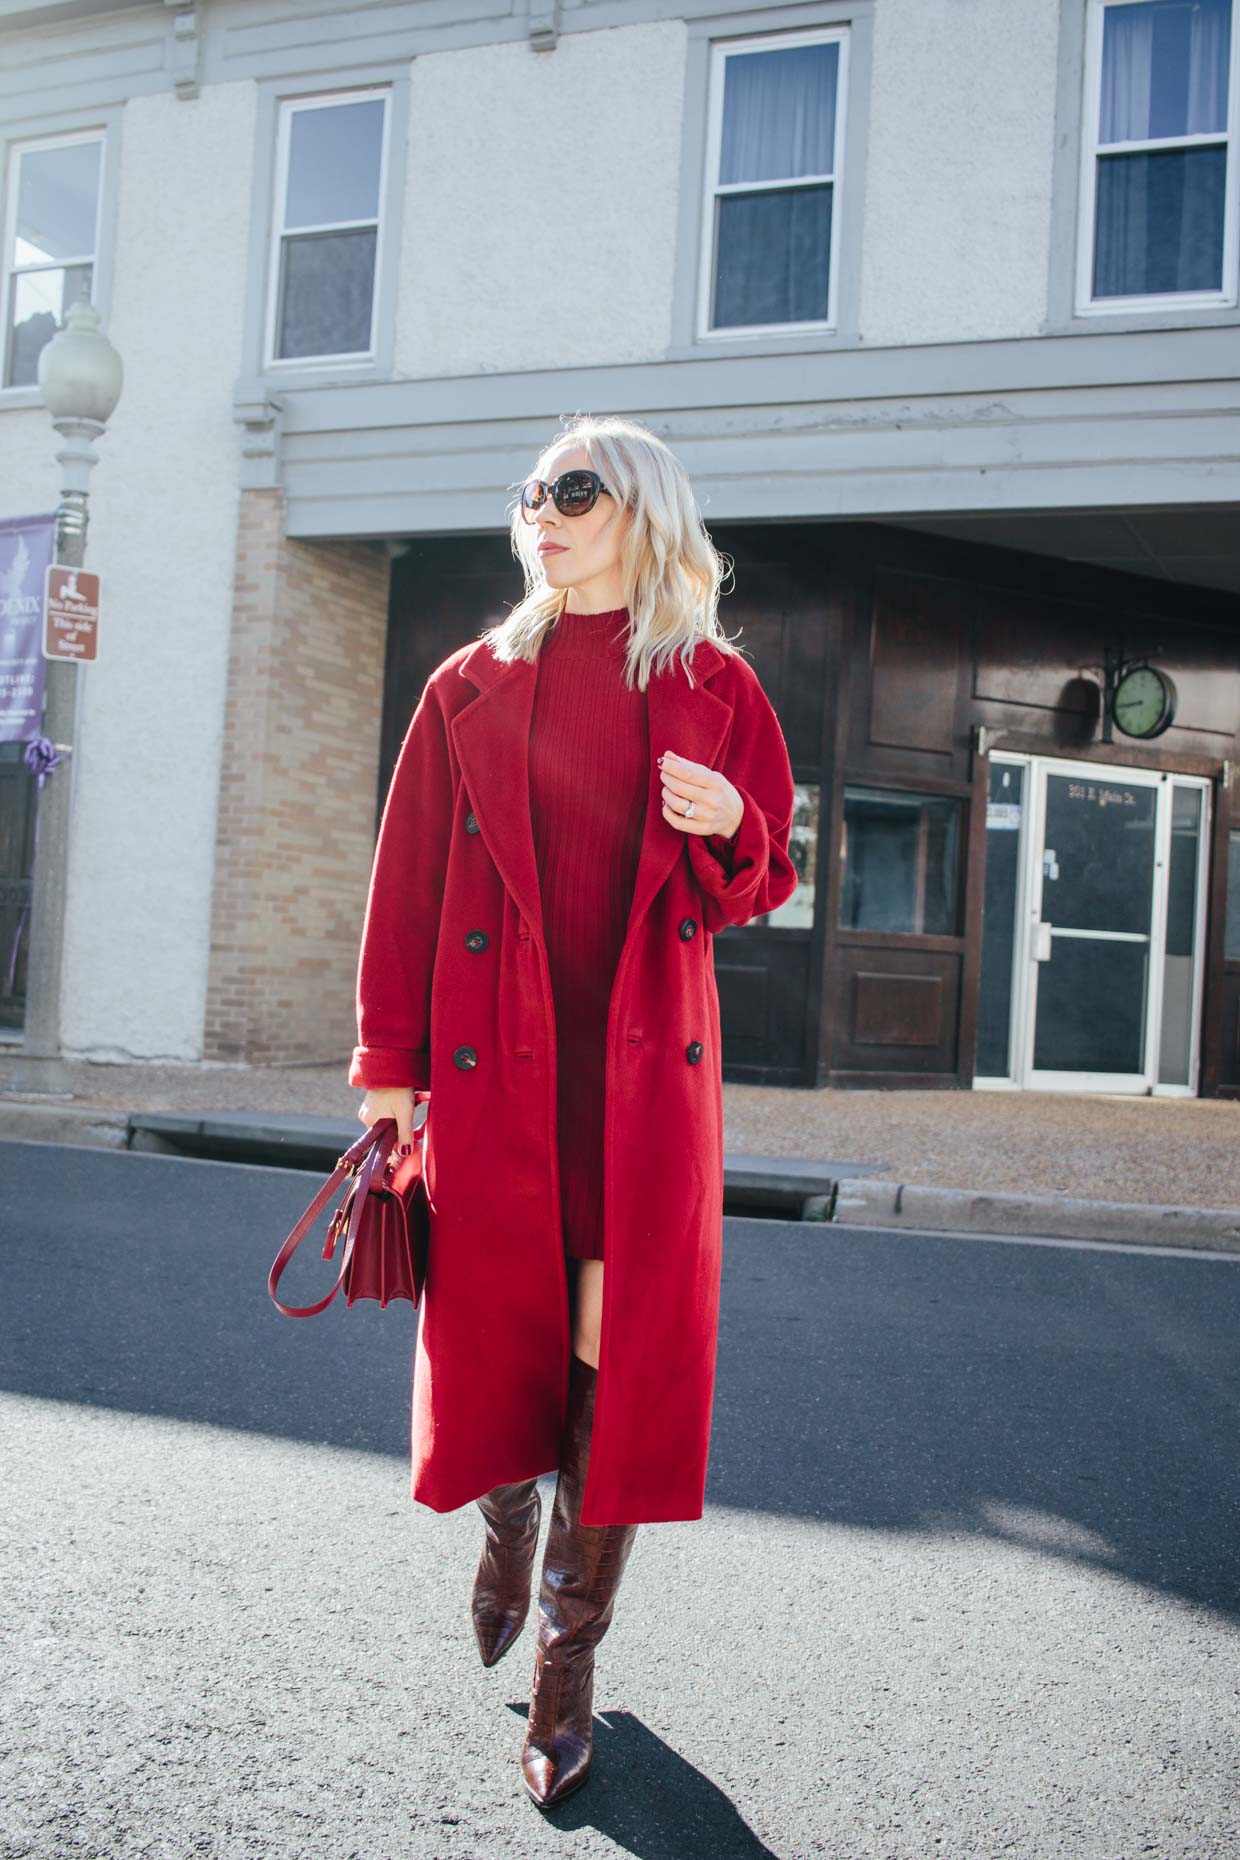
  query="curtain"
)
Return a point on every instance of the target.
[
  {"x": 1127, "y": 67},
  {"x": 1164, "y": 69},
  {"x": 774, "y": 257},
  {"x": 779, "y": 113},
  {"x": 1209, "y": 62}
]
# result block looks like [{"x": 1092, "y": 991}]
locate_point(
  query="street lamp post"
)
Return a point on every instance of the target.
[{"x": 80, "y": 376}]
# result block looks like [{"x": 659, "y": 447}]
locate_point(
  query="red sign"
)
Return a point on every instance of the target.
[{"x": 70, "y": 613}]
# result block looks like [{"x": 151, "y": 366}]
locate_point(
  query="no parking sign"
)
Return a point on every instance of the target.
[{"x": 70, "y": 613}]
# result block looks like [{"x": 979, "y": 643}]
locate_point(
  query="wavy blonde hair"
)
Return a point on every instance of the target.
[{"x": 671, "y": 569}]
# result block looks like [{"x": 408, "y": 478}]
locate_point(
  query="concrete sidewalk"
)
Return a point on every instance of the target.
[{"x": 1150, "y": 1170}]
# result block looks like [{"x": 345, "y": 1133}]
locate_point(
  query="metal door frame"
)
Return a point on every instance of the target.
[{"x": 1028, "y": 919}]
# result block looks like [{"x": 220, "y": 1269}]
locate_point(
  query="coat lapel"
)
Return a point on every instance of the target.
[{"x": 491, "y": 735}]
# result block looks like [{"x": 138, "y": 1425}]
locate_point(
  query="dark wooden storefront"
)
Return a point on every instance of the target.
[{"x": 885, "y": 654}]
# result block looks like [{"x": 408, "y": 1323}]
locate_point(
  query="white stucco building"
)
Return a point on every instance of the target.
[{"x": 937, "y": 300}]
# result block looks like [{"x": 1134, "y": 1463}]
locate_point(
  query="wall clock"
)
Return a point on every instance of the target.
[{"x": 1144, "y": 701}]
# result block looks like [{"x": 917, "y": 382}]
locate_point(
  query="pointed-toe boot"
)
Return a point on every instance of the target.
[
  {"x": 581, "y": 1572},
  {"x": 501, "y": 1598}
]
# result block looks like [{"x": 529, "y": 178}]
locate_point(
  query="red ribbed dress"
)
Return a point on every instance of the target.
[{"x": 589, "y": 762}]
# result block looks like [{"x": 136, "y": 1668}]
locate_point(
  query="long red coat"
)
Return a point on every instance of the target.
[{"x": 454, "y": 996}]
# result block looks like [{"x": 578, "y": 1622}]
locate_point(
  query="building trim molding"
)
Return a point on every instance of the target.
[{"x": 1136, "y": 419}]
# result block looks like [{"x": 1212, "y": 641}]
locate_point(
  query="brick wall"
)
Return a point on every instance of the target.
[{"x": 295, "y": 835}]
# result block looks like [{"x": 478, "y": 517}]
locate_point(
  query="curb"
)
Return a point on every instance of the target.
[
  {"x": 1049, "y": 1217},
  {"x": 91, "y": 1125},
  {"x": 789, "y": 1188}
]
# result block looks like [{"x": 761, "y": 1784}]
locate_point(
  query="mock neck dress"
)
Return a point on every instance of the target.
[{"x": 589, "y": 776}]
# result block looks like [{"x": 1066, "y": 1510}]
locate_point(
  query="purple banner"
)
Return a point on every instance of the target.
[{"x": 26, "y": 547}]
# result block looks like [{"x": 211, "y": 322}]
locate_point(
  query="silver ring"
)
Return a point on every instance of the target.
[{"x": 689, "y": 811}]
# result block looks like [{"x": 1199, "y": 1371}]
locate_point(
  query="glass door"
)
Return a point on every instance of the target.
[{"x": 1093, "y": 928}]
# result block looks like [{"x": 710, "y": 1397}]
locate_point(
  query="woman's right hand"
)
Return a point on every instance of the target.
[{"x": 392, "y": 1101}]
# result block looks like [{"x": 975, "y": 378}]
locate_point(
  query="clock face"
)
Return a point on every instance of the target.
[{"x": 1144, "y": 702}]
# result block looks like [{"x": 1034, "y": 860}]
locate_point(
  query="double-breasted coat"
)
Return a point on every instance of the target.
[{"x": 454, "y": 997}]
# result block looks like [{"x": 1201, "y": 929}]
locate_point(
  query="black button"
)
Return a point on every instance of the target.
[
  {"x": 464, "y": 1057},
  {"x": 471, "y": 822},
  {"x": 477, "y": 939},
  {"x": 693, "y": 1052},
  {"x": 688, "y": 927}
]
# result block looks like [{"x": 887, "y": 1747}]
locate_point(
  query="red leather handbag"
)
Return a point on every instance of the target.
[{"x": 384, "y": 1217}]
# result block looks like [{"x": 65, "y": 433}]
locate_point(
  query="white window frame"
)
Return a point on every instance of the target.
[
  {"x": 1086, "y": 303},
  {"x": 289, "y": 106},
  {"x": 720, "y": 51},
  {"x": 10, "y": 269}
]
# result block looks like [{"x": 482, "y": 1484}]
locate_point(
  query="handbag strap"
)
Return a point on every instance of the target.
[{"x": 370, "y": 1152}]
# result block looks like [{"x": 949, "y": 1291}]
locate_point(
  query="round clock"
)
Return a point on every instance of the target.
[{"x": 1144, "y": 702}]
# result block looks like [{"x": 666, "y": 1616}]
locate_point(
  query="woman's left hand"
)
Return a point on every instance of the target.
[{"x": 717, "y": 805}]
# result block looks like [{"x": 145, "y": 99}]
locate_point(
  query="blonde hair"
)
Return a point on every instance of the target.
[{"x": 671, "y": 569}]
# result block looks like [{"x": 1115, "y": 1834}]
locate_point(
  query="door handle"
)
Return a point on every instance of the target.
[{"x": 1042, "y": 943}]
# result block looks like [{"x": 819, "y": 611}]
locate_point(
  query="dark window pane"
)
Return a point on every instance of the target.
[
  {"x": 1182, "y": 874},
  {"x": 773, "y": 260},
  {"x": 1159, "y": 222},
  {"x": 1164, "y": 69},
  {"x": 1091, "y": 1006},
  {"x": 328, "y": 289},
  {"x": 1099, "y": 854},
  {"x": 779, "y": 113},
  {"x": 1003, "y": 842},
  {"x": 38, "y": 301},
  {"x": 57, "y": 203},
  {"x": 1177, "y": 1010},
  {"x": 1231, "y": 938},
  {"x": 900, "y": 862},
  {"x": 333, "y": 164}
]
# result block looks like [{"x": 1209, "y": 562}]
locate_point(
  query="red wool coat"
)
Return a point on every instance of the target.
[{"x": 454, "y": 996}]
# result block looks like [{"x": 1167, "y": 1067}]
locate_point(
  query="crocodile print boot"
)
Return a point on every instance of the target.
[
  {"x": 581, "y": 1572},
  {"x": 501, "y": 1598}
]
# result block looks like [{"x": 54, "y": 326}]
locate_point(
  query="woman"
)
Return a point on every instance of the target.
[{"x": 580, "y": 792}]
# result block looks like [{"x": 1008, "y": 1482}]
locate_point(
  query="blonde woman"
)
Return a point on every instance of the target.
[{"x": 585, "y": 795}]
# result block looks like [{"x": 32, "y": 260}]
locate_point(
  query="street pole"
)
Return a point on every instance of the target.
[{"x": 80, "y": 375}]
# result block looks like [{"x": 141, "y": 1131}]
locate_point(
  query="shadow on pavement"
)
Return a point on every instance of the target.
[
  {"x": 650, "y": 1801},
  {"x": 1084, "y": 1402}
]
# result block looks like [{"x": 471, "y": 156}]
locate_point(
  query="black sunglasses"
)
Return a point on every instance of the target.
[{"x": 573, "y": 493}]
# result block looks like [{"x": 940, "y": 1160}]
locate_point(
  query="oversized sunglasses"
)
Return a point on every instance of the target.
[{"x": 573, "y": 493}]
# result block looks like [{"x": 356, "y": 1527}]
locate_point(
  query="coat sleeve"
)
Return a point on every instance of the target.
[
  {"x": 751, "y": 873},
  {"x": 400, "y": 930}
]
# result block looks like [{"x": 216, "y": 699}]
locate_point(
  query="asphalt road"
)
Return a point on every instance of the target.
[{"x": 968, "y": 1583}]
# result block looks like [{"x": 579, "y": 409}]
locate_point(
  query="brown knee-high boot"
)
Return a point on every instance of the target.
[
  {"x": 501, "y": 1598},
  {"x": 581, "y": 1572}
]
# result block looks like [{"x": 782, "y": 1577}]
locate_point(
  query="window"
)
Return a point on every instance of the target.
[
  {"x": 797, "y": 912},
  {"x": 1006, "y": 807},
  {"x": 330, "y": 168},
  {"x": 1231, "y": 930},
  {"x": 776, "y": 139},
  {"x": 1180, "y": 939},
  {"x": 900, "y": 862},
  {"x": 1159, "y": 179},
  {"x": 50, "y": 243}
]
